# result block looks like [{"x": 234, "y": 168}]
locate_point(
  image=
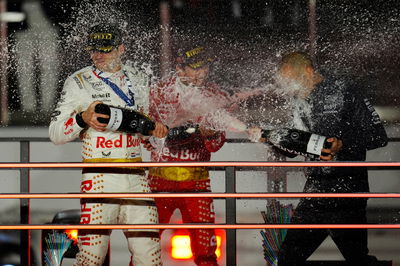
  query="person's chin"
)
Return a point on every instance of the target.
[
  {"x": 199, "y": 84},
  {"x": 100, "y": 65},
  {"x": 106, "y": 67}
]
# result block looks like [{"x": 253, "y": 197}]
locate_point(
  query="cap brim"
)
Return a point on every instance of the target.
[
  {"x": 103, "y": 49},
  {"x": 201, "y": 63}
]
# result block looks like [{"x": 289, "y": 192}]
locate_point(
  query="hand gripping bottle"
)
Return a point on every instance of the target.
[
  {"x": 125, "y": 120},
  {"x": 181, "y": 133},
  {"x": 177, "y": 136},
  {"x": 297, "y": 141}
]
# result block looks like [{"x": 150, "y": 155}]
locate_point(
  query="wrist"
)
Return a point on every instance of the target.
[
  {"x": 211, "y": 136},
  {"x": 79, "y": 120}
]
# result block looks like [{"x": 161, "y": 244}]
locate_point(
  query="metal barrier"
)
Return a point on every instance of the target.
[{"x": 230, "y": 203}]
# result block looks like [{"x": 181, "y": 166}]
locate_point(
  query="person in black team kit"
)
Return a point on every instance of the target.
[{"x": 336, "y": 110}]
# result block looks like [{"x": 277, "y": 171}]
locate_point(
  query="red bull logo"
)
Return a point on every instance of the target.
[
  {"x": 69, "y": 123},
  {"x": 131, "y": 141}
]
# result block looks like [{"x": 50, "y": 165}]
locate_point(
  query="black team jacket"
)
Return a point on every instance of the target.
[{"x": 339, "y": 110}]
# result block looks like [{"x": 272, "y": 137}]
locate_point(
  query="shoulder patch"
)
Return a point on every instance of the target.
[{"x": 79, "y": 81}]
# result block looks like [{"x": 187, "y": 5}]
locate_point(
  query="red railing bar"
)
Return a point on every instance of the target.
[
  {"x": 197, "y": 195},
  {"x": 202, "y": 226},
  {"x": 202, "y": 164}
]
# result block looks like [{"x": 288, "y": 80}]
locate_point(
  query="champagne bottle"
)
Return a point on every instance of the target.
[
  {"x": 124, "y": 120},
  {"x": 297, "y": 141},
  {"x": 177, "y": 137},
  {"x": 181, "y": 134}
]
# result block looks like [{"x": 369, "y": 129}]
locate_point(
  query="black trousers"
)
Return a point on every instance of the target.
[{"x": 352, "y": 243}]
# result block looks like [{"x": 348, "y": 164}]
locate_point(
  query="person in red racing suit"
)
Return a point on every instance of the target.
[{"x": 167, "y": 104}]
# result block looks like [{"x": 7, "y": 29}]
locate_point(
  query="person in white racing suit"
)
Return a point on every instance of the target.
[{"x": 110, "y": 82}]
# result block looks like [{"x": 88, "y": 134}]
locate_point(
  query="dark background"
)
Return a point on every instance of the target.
[{"x": 358, "y": 38}]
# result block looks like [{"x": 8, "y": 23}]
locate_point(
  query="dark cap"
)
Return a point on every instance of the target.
[
  {"x": 195, "y": 57},
  {"x": 104, "y": 38}
]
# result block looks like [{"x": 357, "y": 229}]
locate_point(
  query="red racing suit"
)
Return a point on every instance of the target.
[
  {"x": 166, "y": 106},
  {"x": 80, "y": 90}
]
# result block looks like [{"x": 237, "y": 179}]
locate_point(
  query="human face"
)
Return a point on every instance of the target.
[
  {"x": 194, "y": 77},
  {"x": 296, "y": 81},
  {"x": 108, "y": 62}
]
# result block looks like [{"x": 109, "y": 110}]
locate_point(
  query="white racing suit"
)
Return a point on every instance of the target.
[{"x": 80, "y": 90}]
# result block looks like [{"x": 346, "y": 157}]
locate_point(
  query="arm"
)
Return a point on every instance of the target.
[
  {"x": 376, "y": 136},
  {"x": 66, "y": 121},
  {"x": 213, "y": 140},
  {"x": 366, "y": 131},
  {"x": 362, "y": 130},
  {"x": 70, "y": 116}
]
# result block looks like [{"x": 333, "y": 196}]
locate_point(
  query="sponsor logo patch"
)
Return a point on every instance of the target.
[
  {"x": 120, "y": 142},
  {"x": 98, "y": 86},
  {"x": 106, "y": 154},
  {"x": 69, "y": 123},
  {"x": 101, "y": 95}
]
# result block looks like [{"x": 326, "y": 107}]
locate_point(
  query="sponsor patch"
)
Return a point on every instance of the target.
[
  {"x": 69, "y": 123},
  {"x": 101, "y": 95}
]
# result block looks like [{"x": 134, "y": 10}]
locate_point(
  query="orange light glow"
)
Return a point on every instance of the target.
[
  {"x": 181, "y": 247},
  {"x": 218, "y": 250},
  {"x": 72, "y": 234}
]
